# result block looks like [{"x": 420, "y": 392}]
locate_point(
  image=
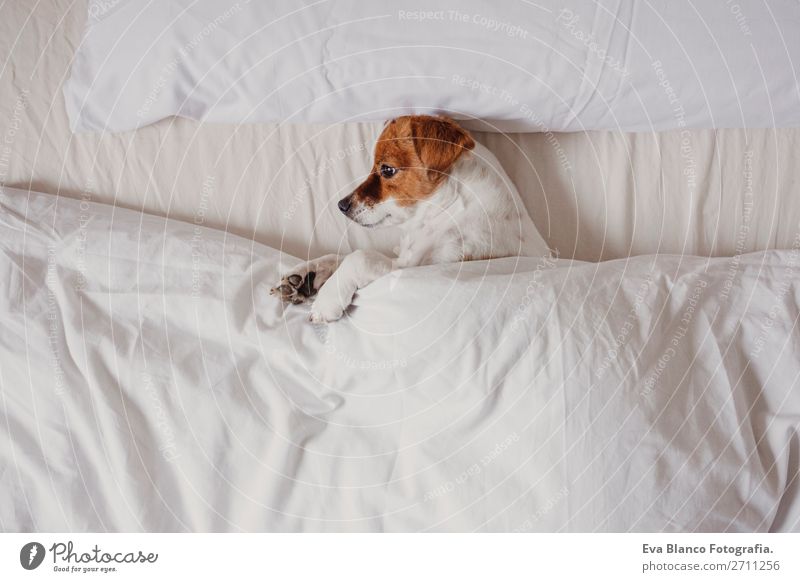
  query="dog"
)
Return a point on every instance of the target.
[{"x": 448, "y": 195}]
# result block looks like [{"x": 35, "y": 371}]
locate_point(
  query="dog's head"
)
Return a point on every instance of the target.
[{"x": 413, "y": 157}]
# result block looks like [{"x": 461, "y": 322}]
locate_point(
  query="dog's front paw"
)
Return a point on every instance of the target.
[
  {"x": 326, "y": 308},
  {"x": 296, "y": 287}
]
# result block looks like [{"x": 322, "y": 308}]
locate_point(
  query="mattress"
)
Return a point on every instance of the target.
[{"x": 594, "y": 195}]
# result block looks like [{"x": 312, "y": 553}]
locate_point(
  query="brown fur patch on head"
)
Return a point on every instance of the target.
[
  {"x": 439, "y": 142},
  {"x": 423, "y": 149}
]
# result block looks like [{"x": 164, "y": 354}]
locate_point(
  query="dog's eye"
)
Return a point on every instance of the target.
[{"x": 387, "y": 171}]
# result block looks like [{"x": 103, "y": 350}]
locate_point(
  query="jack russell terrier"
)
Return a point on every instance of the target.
[{"x": 449, "y": 196}]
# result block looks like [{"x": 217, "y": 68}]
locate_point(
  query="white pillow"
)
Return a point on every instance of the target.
[{"x": 519, "y": 66}]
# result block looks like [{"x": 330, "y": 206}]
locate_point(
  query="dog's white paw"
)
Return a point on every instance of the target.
[
  {"x": 302, "y": 283},
  {"x": 326, "y": 308},
  {"x": 296, "y": 287}
]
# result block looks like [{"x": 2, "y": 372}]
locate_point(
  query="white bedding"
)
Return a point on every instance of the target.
[
  {"x": 594, "y": 195},
  {"x": 550, "y": 65},
  {"x": 148, "y": 382}
]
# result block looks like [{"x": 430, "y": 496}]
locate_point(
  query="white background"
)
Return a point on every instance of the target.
[{"x": 506, "y": 557}]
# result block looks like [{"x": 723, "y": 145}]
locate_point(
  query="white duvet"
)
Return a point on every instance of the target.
[{"x": 148, "y": 382}]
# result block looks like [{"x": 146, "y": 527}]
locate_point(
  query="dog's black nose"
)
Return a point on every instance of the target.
[{"x": 344, "y": 204}]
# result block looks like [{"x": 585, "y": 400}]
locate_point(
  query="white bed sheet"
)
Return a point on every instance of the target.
[{"x": 150, "y": 383}]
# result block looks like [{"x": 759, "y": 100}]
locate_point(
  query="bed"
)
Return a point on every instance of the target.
[{"x": 149, "y": 383}]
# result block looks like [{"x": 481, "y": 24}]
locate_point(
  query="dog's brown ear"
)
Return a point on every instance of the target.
[{"x": 439, "y": 142}]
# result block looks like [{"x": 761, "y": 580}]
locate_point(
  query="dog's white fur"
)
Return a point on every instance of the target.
[{"x": 475, "y": 213}]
